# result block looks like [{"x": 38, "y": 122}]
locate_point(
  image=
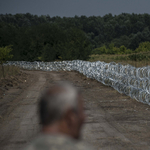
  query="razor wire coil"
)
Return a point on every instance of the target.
[{"x": 132, "y": 81}]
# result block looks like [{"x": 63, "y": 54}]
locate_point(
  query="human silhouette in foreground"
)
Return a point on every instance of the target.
[{"x": 62, "y": 116}]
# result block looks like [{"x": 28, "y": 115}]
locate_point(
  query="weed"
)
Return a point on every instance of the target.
[{"x": 9, "y": 71}]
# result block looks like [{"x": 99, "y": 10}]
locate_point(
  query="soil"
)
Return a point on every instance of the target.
[{"x": 114, "y": 121}]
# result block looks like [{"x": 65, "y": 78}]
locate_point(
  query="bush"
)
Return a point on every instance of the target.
[
  {"x": 111, "y": 50},
  {"x": 143, "y": 47},
  {"x": 139, "y": 57},
  {"x": 5, "y": 56}
]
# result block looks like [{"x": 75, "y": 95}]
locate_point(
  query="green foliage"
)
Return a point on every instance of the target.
[
  {"x": 143, "y": 47},
  {"x": 111, "y": 50},
  {"x": 49, "y": 54},
  {"x": 139, "y": 57},
  {"x": 100, "y": 50},
  {"x": 5, "y": 54},
  {"x": 141, "y": 53},
  {"x": 67, "y": 44},
  {"x": 68, "y": 38}
]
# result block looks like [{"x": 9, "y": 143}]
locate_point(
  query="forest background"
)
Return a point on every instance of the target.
[{"x": 45, "y": 38}]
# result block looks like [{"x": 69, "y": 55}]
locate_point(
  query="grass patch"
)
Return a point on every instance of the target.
[
  {"x": 123, "y": 59},
  {"x": 9, "y": 71}
]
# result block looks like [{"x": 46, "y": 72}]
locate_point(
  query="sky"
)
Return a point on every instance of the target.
[{"x": 70, "y": 8}]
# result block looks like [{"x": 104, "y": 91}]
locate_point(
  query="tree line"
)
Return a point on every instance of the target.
[{"x": 54, "y": 38}]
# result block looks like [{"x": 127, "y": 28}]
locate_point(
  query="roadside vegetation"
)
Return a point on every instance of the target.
[
  {"x": 5, "y": 56},
  {"x": 138, "y": 58},
  {"x": 9, "y": 71},
  {"x": 123, "y": 59},
  {"x": 121, "y": 38},
  {"x": 46, "y": 38}
]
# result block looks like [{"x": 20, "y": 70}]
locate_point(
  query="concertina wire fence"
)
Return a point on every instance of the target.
[{"x": 132, "y": 81}]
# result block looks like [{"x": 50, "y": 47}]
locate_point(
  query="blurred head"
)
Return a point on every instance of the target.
[{"x": 61, "y": 110}]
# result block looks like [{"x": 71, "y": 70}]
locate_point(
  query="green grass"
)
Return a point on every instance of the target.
[
  {"x": 9, "y": 71},
  {"x": 123, "y": 59}
]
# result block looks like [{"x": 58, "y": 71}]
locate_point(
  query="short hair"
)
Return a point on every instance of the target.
[{"x": 55, "y": 101}]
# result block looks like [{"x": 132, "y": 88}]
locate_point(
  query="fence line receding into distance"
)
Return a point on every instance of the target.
[{"x": 132, "y": 81}]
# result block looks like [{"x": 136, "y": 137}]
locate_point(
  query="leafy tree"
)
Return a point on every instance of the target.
[
  {"x": 5, "y": 56},
  {"x": 100, "y": 50},
  {"x": 49, "y": 54},
  {"x": 143, "y": 47},
  {"x": 29, "y": 34}
]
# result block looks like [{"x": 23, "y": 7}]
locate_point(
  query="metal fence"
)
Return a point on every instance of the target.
[{"x": 132, "y": 81}]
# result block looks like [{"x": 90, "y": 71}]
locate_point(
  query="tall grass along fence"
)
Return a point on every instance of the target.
[
  {"x": 8, "y": 71},
  {"x": 132, "y": 81}
]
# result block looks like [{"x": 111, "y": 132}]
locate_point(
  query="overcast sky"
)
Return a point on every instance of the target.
[{"x": 70, "y": 8}]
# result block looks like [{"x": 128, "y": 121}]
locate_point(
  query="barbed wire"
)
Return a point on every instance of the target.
[{"x": 127, "y": 79}]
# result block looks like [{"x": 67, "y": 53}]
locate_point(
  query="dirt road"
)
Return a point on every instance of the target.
[{"x": 114, "y": 121}]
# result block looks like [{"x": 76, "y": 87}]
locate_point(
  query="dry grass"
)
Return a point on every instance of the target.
[
  {"x": 118, "y": 59},
  {"x": 9, "y": 71}
]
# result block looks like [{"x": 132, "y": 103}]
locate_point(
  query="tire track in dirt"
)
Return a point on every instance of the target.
[
  {"x": 114, "y": 121},
  {"x": 22, "y": 124}
]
